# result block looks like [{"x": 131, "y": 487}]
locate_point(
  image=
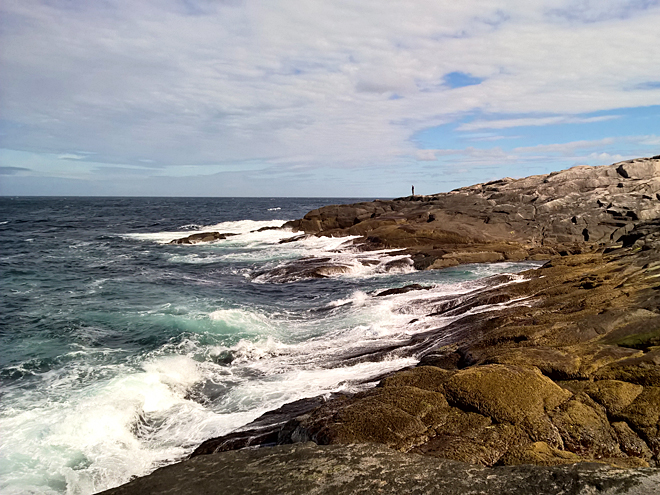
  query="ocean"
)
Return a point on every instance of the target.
[{"x": 120, "y": 352}]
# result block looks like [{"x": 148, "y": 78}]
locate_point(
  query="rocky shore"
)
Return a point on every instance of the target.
[
  {"x": 528, "y": 379},
  {"x": 531, "y": 218}
]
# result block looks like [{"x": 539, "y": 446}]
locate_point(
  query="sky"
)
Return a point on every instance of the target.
[{"x": 328, "y": 98}]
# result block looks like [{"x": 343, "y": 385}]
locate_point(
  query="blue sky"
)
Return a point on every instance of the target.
[{"x": 316, "y": 98}]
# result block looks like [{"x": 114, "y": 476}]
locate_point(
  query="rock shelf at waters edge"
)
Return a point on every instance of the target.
[{"x": 556, "y": 389}]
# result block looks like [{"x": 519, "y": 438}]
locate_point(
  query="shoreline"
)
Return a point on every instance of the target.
[{"x": 572, "y": 374}]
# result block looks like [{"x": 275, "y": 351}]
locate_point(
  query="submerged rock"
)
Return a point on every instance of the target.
[
  {"x": 402, "y": 290},
  {"x": 306, "y": 268}
]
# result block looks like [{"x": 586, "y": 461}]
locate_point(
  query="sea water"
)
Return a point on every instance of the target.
[{"x": 120, "y": 352}]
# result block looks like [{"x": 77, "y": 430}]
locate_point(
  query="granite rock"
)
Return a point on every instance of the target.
[
  {"x": 309, "y": 469},
  {"x": 561, "y": 367},
  {"x": 507, "y": 219}
]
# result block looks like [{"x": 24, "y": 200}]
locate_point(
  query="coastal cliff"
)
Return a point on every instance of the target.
[{"x": 557, "y": 367}]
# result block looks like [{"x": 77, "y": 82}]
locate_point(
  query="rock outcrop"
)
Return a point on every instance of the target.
[
  {"x": 507, "y": 219},
  {"x": 560, "y": 368},
  {"x": 202, "y": 237},
  {"x": 308, "y": 469},
  {"x": 567, "y": 370}
]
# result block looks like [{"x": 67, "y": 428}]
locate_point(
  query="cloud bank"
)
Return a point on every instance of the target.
[{"x": 292, "y": 85}]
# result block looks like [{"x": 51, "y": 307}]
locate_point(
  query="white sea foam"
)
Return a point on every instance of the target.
[
  {"x": 340, "y": 260},
  {"x": 239, "y": 227},
  {"x": 252, "y": 245},
  {"x": 101, "y": 435},
  {"x": 242, "y": 320},
  {"x": 358, "y": 298},
  {"x": 259, "y": 247}
]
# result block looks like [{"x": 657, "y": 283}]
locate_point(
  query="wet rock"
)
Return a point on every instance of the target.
[
  {"x": 202, "y": 237},
  {"x": 295, "y": 238},
  {"x": 402, "y": 290},
  {"x": 307, "y": 268},
  {"x": 630, "y": 443},
  {"x": 263, "y": 431},
  {"x": 401, "y": 264}
]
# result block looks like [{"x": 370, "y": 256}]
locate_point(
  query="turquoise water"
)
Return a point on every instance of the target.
[{"x": 121, "y": 353}]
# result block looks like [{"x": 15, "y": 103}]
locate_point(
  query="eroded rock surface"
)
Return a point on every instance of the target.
[
  {"x": 566, "y": 370},
  {"x": 506, "y": 219},
  {"x": 561, "y": 368},
  {"x": 308, "y": 469}
]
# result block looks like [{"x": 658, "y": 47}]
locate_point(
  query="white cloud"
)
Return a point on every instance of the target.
[
  {"x": 470, "y": 156},
  {"x": 312, "y": 83},
  {"x": 598, "y": 11},
  {"x": 545, "y": 158},
  {"x": 532, "y": 121},
  {"x": 488, "y": 137},
  {"x": 71, "y": 156},
  {"x": 564, "y": 148},
  {"x": 605, "y": 158},
  {"x": 426, "y": 156},
  {"x": 650, "y": 140},
  {"x": 433, "y": 154}
]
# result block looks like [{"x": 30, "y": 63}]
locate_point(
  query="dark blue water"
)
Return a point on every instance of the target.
[
  {"x": 120, "y": 352},
  {"x": 54, "y": 249}
]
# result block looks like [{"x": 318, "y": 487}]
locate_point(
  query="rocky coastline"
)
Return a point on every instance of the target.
[{"x": 547, "y": 385}]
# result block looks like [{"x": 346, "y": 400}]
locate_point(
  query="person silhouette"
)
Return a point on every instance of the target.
[{"x": 413, "y": 190}]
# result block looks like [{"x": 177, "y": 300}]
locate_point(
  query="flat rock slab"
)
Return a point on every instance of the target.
[{"x": 372, "y": 469}]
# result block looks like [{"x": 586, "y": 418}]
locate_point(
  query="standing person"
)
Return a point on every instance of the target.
[{"x": 413, "y": 190}]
